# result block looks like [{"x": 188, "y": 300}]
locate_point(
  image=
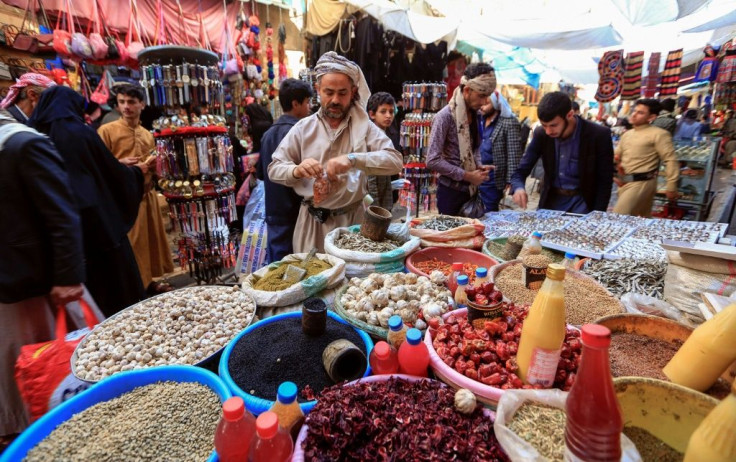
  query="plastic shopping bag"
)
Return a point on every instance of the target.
[
  {"x": 519, "y": 449},
  {"x": 43, "y": 370}
]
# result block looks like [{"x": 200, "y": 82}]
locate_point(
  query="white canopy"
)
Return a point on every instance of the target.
[{"x": 549, "y": 27}]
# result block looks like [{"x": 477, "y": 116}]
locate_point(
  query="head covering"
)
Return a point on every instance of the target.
[
  {"x": 25, "y": 80},
  {"x": 331, "y": 62},
  {"x": 484, "y": 83},
  {"x": 55, "y": 104},
  {"x": 501, "y": 105}
]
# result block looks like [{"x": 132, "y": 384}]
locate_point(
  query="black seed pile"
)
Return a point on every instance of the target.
[{"x": 279, "y": 351}]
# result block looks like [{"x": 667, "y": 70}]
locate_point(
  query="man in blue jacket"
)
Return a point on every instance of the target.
[
  {"x": 577, "y": 156},
  {"x": 282, "y": 203}
]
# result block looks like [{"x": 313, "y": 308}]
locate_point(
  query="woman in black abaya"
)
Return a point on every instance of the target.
[{"x": 107, "y": 195}]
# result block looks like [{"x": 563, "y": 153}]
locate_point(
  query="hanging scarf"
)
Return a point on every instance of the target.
[
  {"x": 485, "y": 83},
  {"x": 632, "y": 76}
]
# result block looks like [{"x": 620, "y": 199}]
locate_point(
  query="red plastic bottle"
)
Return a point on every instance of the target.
[
  {"x": 594, "y": 422},
  {"x": 413, "y": 354},
  {"x": 235, "y": 431},
  {"x": 457, "y": 270},
  {"x": 383, "y": 359},
  {"x": 271, "y": 443}
]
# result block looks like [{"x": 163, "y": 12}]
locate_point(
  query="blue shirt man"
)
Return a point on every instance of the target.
[{"x": 282, "y": 203}]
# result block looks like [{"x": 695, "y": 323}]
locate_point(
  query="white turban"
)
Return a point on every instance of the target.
[{"x": 331, "y": 62}]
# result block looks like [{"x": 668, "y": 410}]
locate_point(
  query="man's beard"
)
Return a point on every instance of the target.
[{"x": 335, "y": 111}]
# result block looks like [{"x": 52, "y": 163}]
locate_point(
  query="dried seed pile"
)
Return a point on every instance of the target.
[
  {"x": 180, "y": 327},
  {"x": 585, "y": 301},
  {"x": 536, "y": 261},
  {"x": 397, "y": 420},
  {"x": 359, "y": 243},
  {"x": 441, "y": 223},
  {"x": 543, "y": 427},
  {"x": 622, "y": 276},
  {"x": 591, "y": 236},
  {"x": 636, "y": 355},
  {"x": 651, "y": 448},
  {"x": 163, "y": 421},
  {"x": 280, "y": 352}
]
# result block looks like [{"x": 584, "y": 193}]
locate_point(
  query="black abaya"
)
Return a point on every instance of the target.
[{"x": 107, "y": 194}]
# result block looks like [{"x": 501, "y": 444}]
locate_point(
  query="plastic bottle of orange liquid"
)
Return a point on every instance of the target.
[
  {"x": 715, "y": 438},
  {"x": 543, "y": 331}
]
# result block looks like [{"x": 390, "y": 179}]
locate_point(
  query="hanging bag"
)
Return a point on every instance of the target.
[
  {"x": 99, "y": 46},
  {"x": 26, "y": 39},
  {"x": 46, "y": 36},
  {"x": 134, "y": 46},
  {"x": 43, "y": 370},
  {"x": 102, "y": 92},
  {"x": 62, "y": 36},
  {"x": 80, "y": 44}
]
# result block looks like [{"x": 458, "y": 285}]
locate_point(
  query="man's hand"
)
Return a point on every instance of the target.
[
  {"x": 129, "y": 161},
  {"x": 520, "y": 198},
  {"x": 672, "y": 195},
  {"x": 309, "y": 168},
  {"x": 338, "y": 165},
  {"x": 61, "y": 295},
  {"x": 476, "y": 177}
]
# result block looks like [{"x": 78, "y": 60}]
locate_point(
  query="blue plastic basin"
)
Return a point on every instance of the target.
[
  {"x": 106, "y": 390},
  {"x": 258, "y": 405}
]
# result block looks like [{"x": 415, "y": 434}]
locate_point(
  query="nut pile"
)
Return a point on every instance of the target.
[
  {"x": 379, "y": 296},
  {"x": 180, "y": 327},
  {"x": 397, "y": 420},
  {"x": 640, "y": 249},
  {"x": 359, "y": 243},
  {"x": 623, "y": 276},
  {"x": 687, "y": 231},
  {"x": 585, "y": 300},
  {"x": 163, "y": 421},
  {"x": 593, "y": 237}
]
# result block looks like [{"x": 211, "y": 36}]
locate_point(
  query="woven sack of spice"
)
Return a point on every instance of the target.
[
  {"x": 359, "y": 263},
  {"x": 690, "y": 276},
  {"x": 300, "y": 291},
  {"x": 432, "y": 231},
  {"x": 548, "y": 430}
]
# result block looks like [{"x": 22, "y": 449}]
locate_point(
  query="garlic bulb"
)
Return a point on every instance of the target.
[
  {"x": 465, "y": 401},
  {"x": 380, "y": 297},
  {"x": 410, "y": 278},
  {"x": 397, "y": 293},
  {"x": 383, "y": 316},
  {"x": 368, "y": 285},
  {"x": 438, "y": 277},
  {"x": 431, "y": 310},
  {"x": 421, "y": 325}
]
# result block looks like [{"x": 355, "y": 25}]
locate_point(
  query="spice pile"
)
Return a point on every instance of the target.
[
  {"x": 445, "y": 268},
  {"x": 442, "y": 223},
  {"x": 180, "y": 327},
  {"x": 273, "y": 281},
  {"x": 585, "y": 301},
  {"x": 397, "y": 420},
  {"x": 489, "y": 355},
  {"x": 376, "y": 298},
  {"x": 623, "y": 276},
  {"x": 359, "y": 243},
  {"x": 634, "y": 355},
  {"x": 651, "y": 448},
  {"x": 280, "y": 352},
  {"x": 543, "y": 427},
  {"x": 162, "y": 421}
]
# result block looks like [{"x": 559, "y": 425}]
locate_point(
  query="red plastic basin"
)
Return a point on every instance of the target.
[{"x": 448, "y": 255}]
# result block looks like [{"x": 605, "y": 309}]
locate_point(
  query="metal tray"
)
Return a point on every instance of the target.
[{"x": 205, "y": 363}]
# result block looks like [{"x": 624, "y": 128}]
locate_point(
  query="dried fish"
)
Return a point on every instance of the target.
[
  {"x": 628, "y": 275},
  {"x": 359, "y": 243},
  {"x": 442, "y": 223}
]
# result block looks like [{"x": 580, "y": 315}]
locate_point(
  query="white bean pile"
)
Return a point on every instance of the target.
[{"x": 180, "y": 327}]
